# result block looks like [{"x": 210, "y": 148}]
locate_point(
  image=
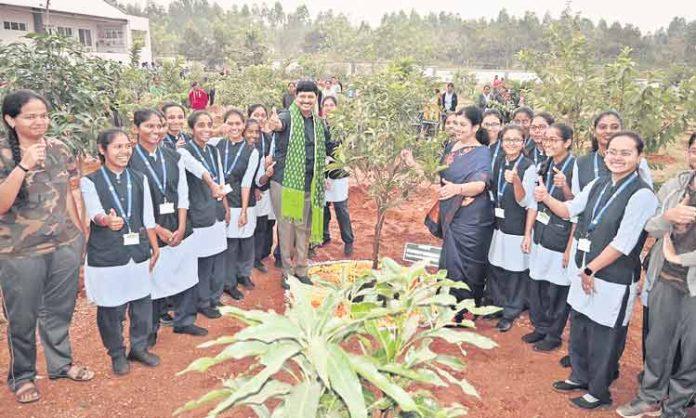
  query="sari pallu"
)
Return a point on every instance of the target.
[{"x": 466, "y": 230}]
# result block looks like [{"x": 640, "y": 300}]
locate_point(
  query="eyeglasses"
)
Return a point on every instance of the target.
[
  {"x": 552, "y": 139},
  {"x": 204, "y": 125},
  {"x": 491, "y": 125},
  {"x": 538, "y": 127},
  {"x": 513, "y": 140}
]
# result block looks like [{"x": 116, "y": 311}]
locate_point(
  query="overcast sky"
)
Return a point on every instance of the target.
[{"x": 648, "y": 15}]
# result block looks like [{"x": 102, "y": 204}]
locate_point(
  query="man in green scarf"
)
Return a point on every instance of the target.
[{"x": 297, "y": 184}]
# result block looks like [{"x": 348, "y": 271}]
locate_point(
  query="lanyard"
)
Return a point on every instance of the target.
[
  {"x": 161, "y": 185},
  {"x": 501, "y": 188},
  {"x": 550, "y": 172},
  {"x": 495, "y": 153},
  {"x": 229, "y": 169},
  {"x": 537, "y": 154},
  {"x": 205, "y": 162},
  {"x": 114, "y": 195},
  {"x": 597, "y": 216}
]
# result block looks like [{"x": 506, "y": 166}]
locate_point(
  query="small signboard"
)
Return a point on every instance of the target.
[{"x": 421, "y": 252}]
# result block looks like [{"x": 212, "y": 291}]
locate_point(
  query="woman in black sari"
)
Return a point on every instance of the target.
[{"x": 466, "y": 213}]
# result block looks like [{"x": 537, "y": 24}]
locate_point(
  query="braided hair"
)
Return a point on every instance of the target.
[{"x": 12, "y": 106}]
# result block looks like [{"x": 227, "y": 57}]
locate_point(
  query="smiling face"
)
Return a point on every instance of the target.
[
  {"x": 236, "y": 126},
  {"x": 252, "y": 133},
  {"x": 451, "y": 125},
  {"x": 329, "y": 106},
  {"x": 607, "y": 126},
  {"x": 32, "y": 121},
  {"x": 306, "y": 101},
  {"x": 523, "y": 119},
  {"x": 537, "y": 130},
  {"x": 118, "y": 152},
  {"x": 554, "y": 144},
  {"x": 512, "y": 143},
  {"x": 175, "y": 119},
  {"x": 464, "y": 130},
  {"x": 149, "y": 131},
  {"x": 622, "y": 156},
  {"x": 259, "y": 114},
  {"x": 493, "y": 126},
  {"x": 202, "y": 129}
]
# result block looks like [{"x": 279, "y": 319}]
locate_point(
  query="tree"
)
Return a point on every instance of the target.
[{"x": 376, "y": 127}]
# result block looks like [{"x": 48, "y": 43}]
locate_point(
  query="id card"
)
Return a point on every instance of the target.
[
  {"x": 543, "y": 217},
  {"x": 499, "y": 213},
  {"x": 166, "y": 208},
  {"x": 132, "y": 238},
  {"x": 228, "y": 189},
  {"x": 584, "y": 245}
]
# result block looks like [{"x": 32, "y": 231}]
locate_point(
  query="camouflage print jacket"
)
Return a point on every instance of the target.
[{"x": 40, "y": 222}]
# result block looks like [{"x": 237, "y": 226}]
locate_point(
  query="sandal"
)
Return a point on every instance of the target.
[
  {"x": 27, "y": 393},
  {"x": 76, "y": 374}
]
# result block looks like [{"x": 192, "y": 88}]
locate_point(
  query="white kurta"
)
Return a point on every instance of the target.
[
  {"x": 337, "y": 190},
  {"x": 210, "y": 240},
  {"x": 250, "y": 176},
  {"x": 176, "y": 270},
  {"x": 117, "y": 285},
  {"x": 545, "y": 264}
]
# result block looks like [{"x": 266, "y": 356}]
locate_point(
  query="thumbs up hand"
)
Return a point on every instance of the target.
[
  {"x": 274, "y": 122},
  {"x": 559, "y": 179},
  {"x": 449, "y": 190},
  {"x": 113, "y": 221},
  {"x": 540, "y": 191},
  {"x": 681, "y": 214}
]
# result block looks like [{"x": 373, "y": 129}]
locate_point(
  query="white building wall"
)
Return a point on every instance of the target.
[{"x": 9, "y": 15}]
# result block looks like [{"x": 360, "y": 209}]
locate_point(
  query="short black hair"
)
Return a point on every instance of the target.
[
  {"x": 637, "y": 139},
  {"x": 523, "y": 109},
  {"x": 307, "y": 86}
]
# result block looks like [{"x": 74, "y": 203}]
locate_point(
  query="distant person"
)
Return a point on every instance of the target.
[
  {"x": 485, "y": 97},
  {"x": 449, "y": 99},
  {"x": 211, "y": 91},
  {"x": 497, "y": 83},
  {"x": 198, "y": 98},
  {"x": 289, "y": 96}
]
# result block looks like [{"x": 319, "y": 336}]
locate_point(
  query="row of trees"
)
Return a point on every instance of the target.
[{"x": 203, "y": 30}]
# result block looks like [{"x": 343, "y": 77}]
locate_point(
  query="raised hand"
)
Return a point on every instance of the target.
[
  {"x": 113, "y": 221},
  {"x": 274, "y": 123},
  {"x": 559, "y": 179},
  {"x": 540, "y": 191},
  {"x": 681, "y": 214},
  {"x": 511, "y": 176},
  {"x": 34, "y": 156}
]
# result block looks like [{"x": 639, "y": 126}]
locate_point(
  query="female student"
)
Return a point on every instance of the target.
[
  {"x": 265, "y": 219},
  {"x": 493, "y": 123},
  {"x": 550, "y": 246},
  {"x": 176, "y": 119},
  {"x": 207, "y": 211},
  {"x": 337, "y": 193},
  {"x": 122, "y": 251},
  {"x": 523, "y": 116},
  {"x": 466, "y": 214},
  {"x": 514, "y": 176},
  {"x": 534, "y": 149},
  {"x": 239, "y": 164},
  {"x": 176, "y": 274},
  {"x": 592, "y": 165},
  {"x": 41, "y": 244},
  {"x": 604, "y": 272}
]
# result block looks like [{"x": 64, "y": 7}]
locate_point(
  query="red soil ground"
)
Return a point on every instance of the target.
[{"x": 513, "y": 380}]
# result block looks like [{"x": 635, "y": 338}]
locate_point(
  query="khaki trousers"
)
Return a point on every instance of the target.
[{"x": 293, "y": 236}]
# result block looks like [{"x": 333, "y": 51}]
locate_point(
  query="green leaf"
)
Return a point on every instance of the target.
[
  {"x": 457, "y": 337},
  {"x": 417, "y": 375},
  {"x": 368, "y": 371},
  {"x": 271, "y": 331},
  {"x": 218, "y": 341},
  {"x": 303, "y": 400},
  {"x": 452, "y": 362},
  {"x": 211, "y": 396},
  {"x": 272, "y": 389},
  {"x": 462, "y": 383},
  {"x": 319, "y": 356},
  {"x": 345, "y": 382}
]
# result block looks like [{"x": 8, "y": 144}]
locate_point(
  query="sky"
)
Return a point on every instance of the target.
[{"x": 648, "y": 15}]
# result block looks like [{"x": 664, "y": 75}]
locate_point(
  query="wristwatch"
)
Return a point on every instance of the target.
[{"x": 588, "y": 271}]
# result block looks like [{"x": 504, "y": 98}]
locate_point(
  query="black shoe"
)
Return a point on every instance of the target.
[
  {"x": 210, "y": 312},
  {"x": 166, "y": 319},
  {"x": 192, "y": 329},
  {"x": 246, "y": 282},
  {"x": 278, "y": 263},
  {"x": 533, "y": 337},
  {"x": 120, "y": 365},
  {"x": 582, "y": 403},
  {"x": 324, "y": 243},
  {"x": 151, "y": 340},
  {"x": 546, "y": 345},
  {"x": 348, "y": 249},
  {"x": 504, "y": 325},
  {"x": 305, "y": 280},
  {"x": 234, "y": 293},
  {"x": 494, "y": 315},
  {"x": 284, "y": 283},
  {"x": 260, "y": 267},
  {"x": 565, "y": 362},
  {"x": 566, "y": 386},
  {"x": 312, "y": 252},
  {"x": 145, "y": 357}
]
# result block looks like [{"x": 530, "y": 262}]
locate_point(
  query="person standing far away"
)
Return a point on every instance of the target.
[
  {"x": 297, "y": 185},
  {"x": 449, "y": 99},
  {"x": 484, "y": 98},
  {"x": 42, "y": 244},
  {"x": 289, "y": 96},
  {"x": 198, "y": 98}
]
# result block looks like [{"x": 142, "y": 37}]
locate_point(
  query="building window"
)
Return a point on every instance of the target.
[
  {"x": 113, "y": 33},
  {"x": 63, "y": 31},
  {"x": 85, "y": 37},
  {"x": 15, "y": 26}
]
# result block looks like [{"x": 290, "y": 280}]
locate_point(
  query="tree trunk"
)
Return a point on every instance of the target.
[{"x": 381, "y": 216}]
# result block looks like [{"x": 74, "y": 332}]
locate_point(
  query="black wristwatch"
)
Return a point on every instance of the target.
[
  {"x": 21, "y": 167},
  {"x": 588, "y": 271}
]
